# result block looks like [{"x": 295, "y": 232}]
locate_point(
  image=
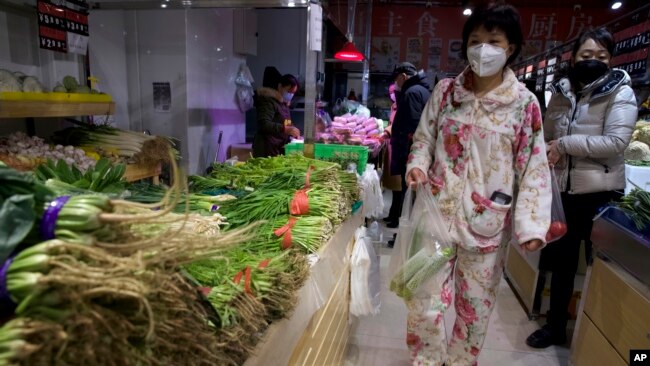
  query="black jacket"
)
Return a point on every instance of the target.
[
  {"x": 272, "y": 115},
  {"x": 410, "y": 104}
]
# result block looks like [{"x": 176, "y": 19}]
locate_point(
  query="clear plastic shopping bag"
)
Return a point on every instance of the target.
[
  {"x": 365, "y": 281},
  {"x": 558, "y": 226},
  {"x": 422, "y": 248}
]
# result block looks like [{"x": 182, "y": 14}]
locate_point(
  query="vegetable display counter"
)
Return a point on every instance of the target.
[
  {"x": 317, "y": 331},
  {"x": 614, "y": 317}
]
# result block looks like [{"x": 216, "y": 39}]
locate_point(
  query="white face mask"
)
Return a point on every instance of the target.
[{"x": 486, "y": 59}]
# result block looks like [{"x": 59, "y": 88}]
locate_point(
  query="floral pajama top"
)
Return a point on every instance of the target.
[{"x": 482, "y": 145}]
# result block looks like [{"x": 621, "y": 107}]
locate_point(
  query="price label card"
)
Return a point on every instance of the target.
[
  {"x": 51, "y": 16},
  {"x": 52, "y": 39}
]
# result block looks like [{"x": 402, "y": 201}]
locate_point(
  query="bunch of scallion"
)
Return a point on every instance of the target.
[
  {"x": 24, "y": 338},
  {"x": 308, "y": 233},
  {"x": 268, "y": 204},
  {"x": 133, "y": 146},
  {"x": 194, "y": 202},
  {"x": 244, "y": 311}
]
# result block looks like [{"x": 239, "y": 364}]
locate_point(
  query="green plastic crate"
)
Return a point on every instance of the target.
[{"x": 341, "y": 154}]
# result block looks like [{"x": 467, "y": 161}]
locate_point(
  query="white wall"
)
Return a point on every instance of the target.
[
  {"x": 281, "y": 42},
  {"x": 193, "y": 50},
  {"x": 161, "y": 54},
  {"x": 212, "y": 68},
  {"x": 107, "y": 50},
  {"x": 19, "y": 41}
]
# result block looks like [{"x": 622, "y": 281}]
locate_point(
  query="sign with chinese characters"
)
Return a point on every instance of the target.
[
  {"x": 385, "y": 53},
  {"x": 441, "y": 28},
  {"x": 63, "y": 25},
  {"x": 414, "y": 51}
]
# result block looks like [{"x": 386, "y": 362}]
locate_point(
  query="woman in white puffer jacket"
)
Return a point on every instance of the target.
[{"x": 588, "y": 125}]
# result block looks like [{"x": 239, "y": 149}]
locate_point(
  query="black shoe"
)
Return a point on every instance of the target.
[
  {"x": 393, "y": 224},
  {"x": 388, "y": 219},
  {"x": 545, "y": 337},
  {"x": 391, "y": 243}
]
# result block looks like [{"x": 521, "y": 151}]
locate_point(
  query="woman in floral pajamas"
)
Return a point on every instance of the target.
[{"x": 481, "y": 143}]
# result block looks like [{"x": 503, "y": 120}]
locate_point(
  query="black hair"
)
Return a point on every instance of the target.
[
  {"x": 289, "y": 80},
  {"x": 496, "y": 16},
  {"x": 600, "y": 36},
  {"x": 271, "y": 77}
]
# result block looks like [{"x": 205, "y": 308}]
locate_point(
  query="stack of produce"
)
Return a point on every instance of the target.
[
  {"x": 24, "y": 153},
  {"x": 71, "y": 85},
  {"x": 638, "y": 152},
  {"x": 19, "y": 82},
  {"x": 97, "y": 280},
  {"x": 104, "y": 177},
  {"x": 354, "y": 130},
  {"x": 194, "y": 202},
  {"x": 119, "y": 302},
  {"x": 255, "y": 172},
  {"x": 636, "y": 205},
  {"x": 296, "y": 186},
  {"x": 117, "y": 144}
]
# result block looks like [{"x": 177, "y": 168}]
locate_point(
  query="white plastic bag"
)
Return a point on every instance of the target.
[
  {"x": 365, "y": 281},
  {"x": 244, "y": 92},
  {"x": 373, "y": 199},
  {"x": 422, "y": 248}
]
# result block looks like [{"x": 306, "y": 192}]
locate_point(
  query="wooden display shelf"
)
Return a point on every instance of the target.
[
  {"x": 42, "y": 109},
  {"x": 137, "y": 172}
]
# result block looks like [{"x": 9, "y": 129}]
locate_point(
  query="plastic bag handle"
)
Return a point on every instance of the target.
[{"x": 407, "y": 206}]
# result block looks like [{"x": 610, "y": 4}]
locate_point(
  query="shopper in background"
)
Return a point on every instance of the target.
[
  {"x": 479, "y": 140},
  {"x": 412, "y": 93},
  {"x": 589, "y": 123},
  {"x": 273, "y": 118},
  {"x": 391, "y": 181}
]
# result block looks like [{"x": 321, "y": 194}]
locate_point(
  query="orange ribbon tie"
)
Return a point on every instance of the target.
[{"x": 285, "y": 230}]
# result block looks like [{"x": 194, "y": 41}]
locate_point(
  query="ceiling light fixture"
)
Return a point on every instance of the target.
[
  {"x": 467, "y": 11},
  {"x": 163, "y": 5},
  {"x": 349, "y": 52},
  {"x": 616, "y": 5}
]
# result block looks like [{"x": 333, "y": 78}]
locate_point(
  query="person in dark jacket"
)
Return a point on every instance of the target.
[
  {"x": 412, "y": 93},
  {"x": 273, "y": 118}
]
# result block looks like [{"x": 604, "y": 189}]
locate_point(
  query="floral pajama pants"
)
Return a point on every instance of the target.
[{"x": 475, "y": 277}]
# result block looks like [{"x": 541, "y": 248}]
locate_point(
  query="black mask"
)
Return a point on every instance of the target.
[{"x": 588, "y": 71}]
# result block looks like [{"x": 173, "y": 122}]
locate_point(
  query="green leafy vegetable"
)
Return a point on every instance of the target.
[{"x": 105, "y": 177}]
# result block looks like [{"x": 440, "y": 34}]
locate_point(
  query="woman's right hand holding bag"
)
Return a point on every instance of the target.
[{"x": 415, "y": 176}]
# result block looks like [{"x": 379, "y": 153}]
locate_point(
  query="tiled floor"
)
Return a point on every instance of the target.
[{"x": 380, "y": 340}]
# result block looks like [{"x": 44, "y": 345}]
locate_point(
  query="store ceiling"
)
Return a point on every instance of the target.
[
  {"x": 172, "y": 4},
  {"x": 603, "y": 4}
]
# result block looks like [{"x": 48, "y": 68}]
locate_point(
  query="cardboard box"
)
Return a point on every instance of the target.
[{"x": 243, "y": 152}]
